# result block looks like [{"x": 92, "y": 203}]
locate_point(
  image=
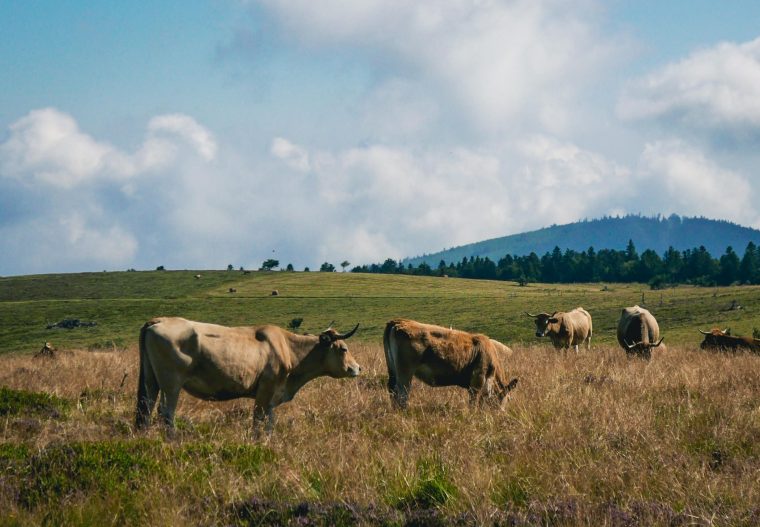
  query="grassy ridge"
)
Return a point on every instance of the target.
[
  {"x": 586, "y": 439},
  {"x": 121, "y": 302}
]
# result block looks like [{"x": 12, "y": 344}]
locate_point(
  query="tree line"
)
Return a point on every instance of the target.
[{"x": 691, "y": 266}]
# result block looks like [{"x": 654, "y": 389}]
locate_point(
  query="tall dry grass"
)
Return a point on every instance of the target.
[{"x": 589, "y": 438}]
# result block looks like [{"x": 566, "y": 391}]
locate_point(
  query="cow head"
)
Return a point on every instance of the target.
[
  {"x": 338, "y": 360},
  {"x": 714, "y": 338},
  {"x": 642, "y": 348},
  {"x": 543, "y": 321},
  {"x": 502, "y": 390}
]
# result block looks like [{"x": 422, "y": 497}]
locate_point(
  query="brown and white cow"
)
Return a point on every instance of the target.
[
  {"x": 443, "y": 357},
  {"x": 219, "y": 363},
  {"x": 638, "y": 331},
  {"x": 565, "y": 329},
  {"x": 723, "y": 340}
]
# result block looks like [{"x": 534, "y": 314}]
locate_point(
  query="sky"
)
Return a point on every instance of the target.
[{"x": 199, "y": 134}]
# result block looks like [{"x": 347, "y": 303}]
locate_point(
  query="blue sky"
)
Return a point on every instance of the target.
[{"x": 197, "y": 134}]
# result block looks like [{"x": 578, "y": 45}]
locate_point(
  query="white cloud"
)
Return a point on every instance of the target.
[
  {"x": 715, "y": 88},
  {"x": 502, "y": 63},
  {"x": 91, "y": 198},
  {"x": 676, "y": 177},
  {"x": 188, "y": 129},
  {"x": 65, "y": 242},
  {"x": 295, "y": 156},
  {"x": 47, "y": 146}
]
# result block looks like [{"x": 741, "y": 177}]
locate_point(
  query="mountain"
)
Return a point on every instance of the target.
[{"x": 656, "y": 233}]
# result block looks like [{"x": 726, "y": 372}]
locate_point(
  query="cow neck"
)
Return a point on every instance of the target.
[{"x": 307, "y": 364}]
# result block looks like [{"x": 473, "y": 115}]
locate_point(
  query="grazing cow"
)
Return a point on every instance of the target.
[
  {"x": 565, "y": 329},
  {"x": 723, "y": 340},
  {"x": 443, "y": 357},
  {"x": 638, "y": 331},
  {"x": 219, "y": 363},
  {"x": 233, "y": 290},
  {"x": 197, "y": 277},
  {"x": 505, "y": 350},
  {"x": 275, "y": 292}
]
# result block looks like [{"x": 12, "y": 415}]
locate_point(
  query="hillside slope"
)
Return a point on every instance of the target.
[{"x": 608, "y": 233}]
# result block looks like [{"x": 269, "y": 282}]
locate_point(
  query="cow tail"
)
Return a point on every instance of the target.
[
  {"x": 147, "y": 384},
  {"x": 390, "y": 359}
]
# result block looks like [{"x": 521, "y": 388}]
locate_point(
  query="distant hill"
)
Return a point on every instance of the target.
[{"x": 656, "y": 233}]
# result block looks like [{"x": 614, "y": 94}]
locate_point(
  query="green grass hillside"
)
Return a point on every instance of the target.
[{"x": 121, "y": 302}]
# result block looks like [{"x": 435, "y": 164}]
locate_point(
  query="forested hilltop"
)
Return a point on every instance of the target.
[
  {"x": 691, "y": 266},
  {"x": 655, "y": 233}
]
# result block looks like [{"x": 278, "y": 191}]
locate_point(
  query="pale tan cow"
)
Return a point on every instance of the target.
[
  {"x": 218, "y": 363},
  {"x": 565, "y": 329},
  {"x": 638, "y": 331},
  {"x": 444, "y": 357}
]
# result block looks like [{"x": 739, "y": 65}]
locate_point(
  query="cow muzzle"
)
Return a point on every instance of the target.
[{"x": 354, "y": 370}]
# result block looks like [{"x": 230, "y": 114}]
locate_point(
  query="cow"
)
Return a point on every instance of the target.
[
  {"x": 565, "y": 329},
  {"x": 443, "y": 357},
  {"x": 723, "y": 340},
  {"x": 638, "y": 331},
  {"x": 218, "y": 363},
  {"x": 275, "y": 292},
  {"x": 503, "y": 349}
]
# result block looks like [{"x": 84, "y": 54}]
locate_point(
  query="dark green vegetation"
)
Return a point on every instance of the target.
[
  {"x": 15, "y": 402},
  {"x": 657, "y": 234},
  {"x": 690, "y": 267},
  {"x": 120, "y": 303}
]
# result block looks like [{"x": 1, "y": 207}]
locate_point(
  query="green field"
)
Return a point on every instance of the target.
[
  {"x": 121, "y": 302},
  {"x": 588, "y": 438}
]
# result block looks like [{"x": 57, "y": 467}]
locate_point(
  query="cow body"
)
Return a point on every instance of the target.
[
  {"x": 721, "y": 340},
  {"x": 565, "y": 329},
  {"x": 638, "y": 331},
  {"x": 443, "y": 357},
  {"x": 218, "y": 363}
]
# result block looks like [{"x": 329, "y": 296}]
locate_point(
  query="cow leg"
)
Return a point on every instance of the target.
[
  {"x": 263, "y": 412},
  {"x": 400, "y": 393},
  {"x": 168, "y": 405},
  {"x": 263, "y": 416},
  {"x": 147, "y": 393}
]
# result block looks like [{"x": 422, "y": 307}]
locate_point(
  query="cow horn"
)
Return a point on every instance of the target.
[
  {"x": 329, "y": 326},
  {"x": 347, "y": 335},
  {"x": 532, "y": 316},
  {"x": 705, "y": 332},
  {"x": 629, "y": 346},
  {"x": 727, "y": 331},
  {"x": 658, "y": 342}
]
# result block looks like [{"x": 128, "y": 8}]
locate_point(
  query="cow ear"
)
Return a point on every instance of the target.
[{"x": 325, "y": 338}]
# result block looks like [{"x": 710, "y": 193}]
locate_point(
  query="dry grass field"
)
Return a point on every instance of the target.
[{"x": 591, "y": 438}]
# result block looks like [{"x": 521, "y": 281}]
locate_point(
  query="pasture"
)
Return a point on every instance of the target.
[{"x": 592, "y": 438}]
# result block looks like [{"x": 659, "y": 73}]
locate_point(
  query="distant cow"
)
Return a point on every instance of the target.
[
  {"x": 443, "y": 357},
  {"x": 275, "y": 292},
  {"x": 722, "y": 340},
  {"x": 565, "y": 329},
  {"x": 233, "y": 290},
  {"x": 197, "y": 277},
  {"x": 218, "y": 363},
  {"x": 638, "y": 331}
]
